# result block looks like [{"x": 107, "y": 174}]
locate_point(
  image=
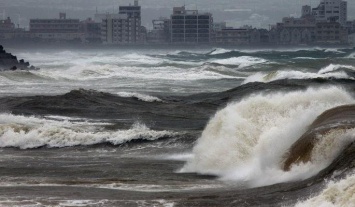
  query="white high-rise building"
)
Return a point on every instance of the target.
[
  {"x": 122, "y": 28},
  {"x": 331, "y": 11}
]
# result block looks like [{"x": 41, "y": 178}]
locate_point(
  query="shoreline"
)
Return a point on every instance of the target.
[{"x": 68, "y": 45}]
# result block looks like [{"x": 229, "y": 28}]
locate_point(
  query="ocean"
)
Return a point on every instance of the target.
[{"x": 165, "y": 127}]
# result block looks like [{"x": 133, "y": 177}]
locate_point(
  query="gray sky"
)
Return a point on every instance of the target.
[{"x": 258, "y": 13}]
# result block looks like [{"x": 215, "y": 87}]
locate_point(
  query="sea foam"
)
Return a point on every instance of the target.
[
  {"x": 336, "y": 194},
  {"x": 31, "y": 132},
  {"x": 246, "y": 141}
]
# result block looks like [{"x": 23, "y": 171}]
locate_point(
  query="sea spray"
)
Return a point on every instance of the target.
[{"x": 246, "y": 140}]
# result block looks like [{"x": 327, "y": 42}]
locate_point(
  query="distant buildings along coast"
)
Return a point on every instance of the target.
[{"x": 326, "y": 24}]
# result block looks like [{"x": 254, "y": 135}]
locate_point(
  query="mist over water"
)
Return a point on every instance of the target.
[
  {"x": 164, "y": 127},
  {"x": 173, "y": 72}
]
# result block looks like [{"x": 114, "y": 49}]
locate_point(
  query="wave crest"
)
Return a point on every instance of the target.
[{"x": 30, "y": 132}]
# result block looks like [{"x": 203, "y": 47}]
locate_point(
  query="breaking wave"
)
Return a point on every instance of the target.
[
  {"x": 241, "y": 62},
  {"x": 31, "y": 132},
  {"x": 139, "y": 96},
  {"x": 332, "y": 67},
  {"x": 247, "y": 140},
  {"x": 330, "y": 71},
  {"x": 219, "y": 51}
]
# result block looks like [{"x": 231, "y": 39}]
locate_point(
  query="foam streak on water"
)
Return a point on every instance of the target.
[
  {"x": 246, "y": 141},
  {"x": 336, "y": 194}
]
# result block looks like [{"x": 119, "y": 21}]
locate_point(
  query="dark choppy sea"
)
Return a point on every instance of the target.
[{"x": 179, "y": 128}]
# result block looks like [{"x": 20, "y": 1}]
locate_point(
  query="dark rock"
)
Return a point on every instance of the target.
[{"x": 10, "y": 62}]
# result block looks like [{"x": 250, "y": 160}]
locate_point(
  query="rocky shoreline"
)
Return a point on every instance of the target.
[{"x": 10, "y": 62}]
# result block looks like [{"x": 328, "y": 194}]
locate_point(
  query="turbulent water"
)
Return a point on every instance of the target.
[{"x": 201, "y": 127}]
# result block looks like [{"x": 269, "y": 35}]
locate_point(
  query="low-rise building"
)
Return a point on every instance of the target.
[
  {"x": 7, "y": 28},
  {"x": 331, "y": 33},
  {"x": 351, "y": 39},
  {"x": 61, "y": 29},
  {"x": 233, "y": 36},
  {"x": 6, "y": 25},
  {"x": 294, "y": 31},
  {"x": 245, "y": 35},
  {"x": 161, "y": 31}
]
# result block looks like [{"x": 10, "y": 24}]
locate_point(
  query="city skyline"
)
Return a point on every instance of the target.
[{"x": 236, "y": 13}]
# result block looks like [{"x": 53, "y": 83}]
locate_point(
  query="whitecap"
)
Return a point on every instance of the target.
[
  {"x": 293, "y": 74},
  {"x": 31, "y": 132},
  {"x": 241, "y": 62},
  {"x": 334, "y": 67},
  {"x": 139, "y": 96},
  {"x": 220, "y": 51}
]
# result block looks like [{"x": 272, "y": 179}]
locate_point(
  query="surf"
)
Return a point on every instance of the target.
[
  {"x": 246, "y": 142},
  {"x": 34, "y": 132}
]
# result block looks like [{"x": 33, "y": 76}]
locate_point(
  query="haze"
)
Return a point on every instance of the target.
[{"x": 258, "y": 13}]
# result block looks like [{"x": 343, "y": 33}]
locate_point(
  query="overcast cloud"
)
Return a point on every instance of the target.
[{"x": 258, "y": 13}]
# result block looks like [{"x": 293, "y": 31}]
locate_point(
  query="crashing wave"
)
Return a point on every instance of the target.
[
  {"x": 31, "y": 132},
  {"x": 247, "y": 140}
]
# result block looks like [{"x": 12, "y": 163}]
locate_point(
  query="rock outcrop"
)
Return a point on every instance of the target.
[{"x": 10, "y": 62}]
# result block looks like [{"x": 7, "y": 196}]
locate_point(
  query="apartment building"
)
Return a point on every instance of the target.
[
  {"x": 114, "y": 29},
  {"x": 190, "y": 26},
  {"x": 331, "y": 11},
  {"x": 331, "y": 32},
  {"x": 124, "y": 27},
  {"x": 56, "y": 29}
]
